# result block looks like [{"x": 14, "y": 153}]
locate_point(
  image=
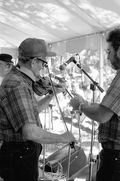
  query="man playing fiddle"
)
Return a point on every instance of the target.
[{"x": 20, "y": 128}]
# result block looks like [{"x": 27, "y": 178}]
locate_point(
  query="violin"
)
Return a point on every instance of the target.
[{"x": 43, "y": 86}]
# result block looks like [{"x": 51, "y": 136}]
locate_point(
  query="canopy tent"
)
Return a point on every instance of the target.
[{"x": 67, "y": 25}]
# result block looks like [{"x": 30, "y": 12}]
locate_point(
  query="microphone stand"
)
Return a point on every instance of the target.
[
  {"x": 93, "y": 88},
  {"x": 71, "y": 145},
  {"x": 94, "y": 83}
]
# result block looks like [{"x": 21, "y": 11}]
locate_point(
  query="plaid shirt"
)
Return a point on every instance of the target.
[
  {"x": 110, "y": 131},
  {"x": 17, "y": 105}
]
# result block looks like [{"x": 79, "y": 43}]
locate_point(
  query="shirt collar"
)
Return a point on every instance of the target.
[{"x": 28, "y": 72}]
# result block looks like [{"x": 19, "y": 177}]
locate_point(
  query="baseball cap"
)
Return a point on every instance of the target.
[
  {"x": 6, "y": 58},
  {"x": 33, "y": 47}
]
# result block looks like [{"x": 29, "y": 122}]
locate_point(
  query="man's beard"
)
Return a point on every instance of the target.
[{"x": 116, "y": 63}]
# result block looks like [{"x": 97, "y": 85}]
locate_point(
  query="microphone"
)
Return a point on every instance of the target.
[{"x": 62, "y": 67}]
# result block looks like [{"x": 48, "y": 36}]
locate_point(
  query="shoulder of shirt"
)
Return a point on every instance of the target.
[{"x": 13, "y": 79}]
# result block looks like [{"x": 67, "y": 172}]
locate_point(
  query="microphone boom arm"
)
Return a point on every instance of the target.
[{"x": 94, "y": 82}]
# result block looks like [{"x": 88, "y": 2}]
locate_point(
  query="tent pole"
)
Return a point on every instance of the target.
[{"x": 101, "y": 65}]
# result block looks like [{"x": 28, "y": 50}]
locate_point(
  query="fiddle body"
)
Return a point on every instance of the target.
[{"x": 43, "y": 86}]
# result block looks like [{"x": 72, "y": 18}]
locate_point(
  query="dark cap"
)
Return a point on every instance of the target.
[
  {"x": 6, "y": 58},
  {"x": 33, "y": 47}
]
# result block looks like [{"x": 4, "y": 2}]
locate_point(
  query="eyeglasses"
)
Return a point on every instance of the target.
[
  {"x": 108, "y": 51},
  {"x": 44, "y": 63}
]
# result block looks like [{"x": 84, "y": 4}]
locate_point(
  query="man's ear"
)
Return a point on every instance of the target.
[
  {"x": 32, "y": 62},
  {"x": 118, "y": 52},
  {"x": 7, "y": 69}
]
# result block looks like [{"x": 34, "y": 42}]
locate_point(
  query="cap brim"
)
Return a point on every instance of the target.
[
  {"x": 6, "y": 61},
  {"x": 10, "y": 62},
  {"x": 51, "y": 54}
]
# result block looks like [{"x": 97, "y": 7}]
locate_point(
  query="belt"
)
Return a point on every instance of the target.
[
  {"x": 18, "y": 145},
  {"x": 111, "y": 145}
]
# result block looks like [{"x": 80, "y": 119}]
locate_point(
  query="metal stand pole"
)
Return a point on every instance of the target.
[
  {"x": 93, "y": 87},
  {"x": 43, "y": 172},
  {"x": 79, "y": 125},
  {"x": 50, "y": 116},
  {"x": 69, "y": 150}
]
